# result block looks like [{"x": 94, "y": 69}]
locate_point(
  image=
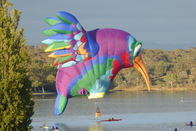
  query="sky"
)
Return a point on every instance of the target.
[{"x": 149, "y": 21}]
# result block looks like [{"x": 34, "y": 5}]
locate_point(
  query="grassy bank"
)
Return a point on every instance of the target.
[
  {"x": 46, "y": 93},
  {"x": 152, "y": 89}
]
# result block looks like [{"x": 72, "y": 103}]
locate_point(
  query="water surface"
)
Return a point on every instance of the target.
[{"x": 139, "y": 111}]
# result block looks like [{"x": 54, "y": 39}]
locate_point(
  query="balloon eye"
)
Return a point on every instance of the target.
[{"x": 137, "y": 50}]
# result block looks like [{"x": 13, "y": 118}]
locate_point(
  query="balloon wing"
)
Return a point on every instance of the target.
[{"x": 68, "y": 42}]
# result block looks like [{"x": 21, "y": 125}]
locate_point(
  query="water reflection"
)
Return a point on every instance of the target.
[
  {"x": 63, "y": 127},
  {"x": 96, "y": 127}
]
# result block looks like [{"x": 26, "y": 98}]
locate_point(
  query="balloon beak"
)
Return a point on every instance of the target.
[{"x": 139, "y": 65}]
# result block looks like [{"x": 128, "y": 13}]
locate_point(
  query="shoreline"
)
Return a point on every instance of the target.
[
  {"x": 129, "y": 90},
  {"x": 152, "y": 89},
  {"x": 46, "y": 93}
]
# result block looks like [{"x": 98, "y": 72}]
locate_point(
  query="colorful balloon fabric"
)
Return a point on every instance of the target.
[{"x": 88, "y": 61}]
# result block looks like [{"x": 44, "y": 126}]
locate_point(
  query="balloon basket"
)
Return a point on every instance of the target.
[{"x": 97, "y": 114}]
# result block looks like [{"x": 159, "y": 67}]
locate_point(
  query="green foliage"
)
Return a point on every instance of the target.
[
  {"x": 167, "y": 69},
  {"x": 159, "y": 64},
  {"x": 16, "y": 106},
  {"x": 160, "y": 69},
  {"x": 42, "y": 72},
  {"x": 170, "y": 78}
]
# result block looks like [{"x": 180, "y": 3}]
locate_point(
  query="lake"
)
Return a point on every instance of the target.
[{"x": 139, "y": 111}]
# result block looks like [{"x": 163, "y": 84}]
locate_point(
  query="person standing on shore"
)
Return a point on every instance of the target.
[{"x": 191, "y": 123}]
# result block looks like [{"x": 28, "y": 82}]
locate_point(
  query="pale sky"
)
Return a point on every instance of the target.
[{"x": 156, "y": 21}]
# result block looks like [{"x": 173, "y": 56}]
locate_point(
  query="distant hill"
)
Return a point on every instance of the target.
[{"x": 153, "y": 45}]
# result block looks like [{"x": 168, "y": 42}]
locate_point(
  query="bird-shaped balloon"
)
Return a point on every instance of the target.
[{"x": 88, "y": 61}]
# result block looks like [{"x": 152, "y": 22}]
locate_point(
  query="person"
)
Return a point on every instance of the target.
[
  {"x": 109, "y": 119},
  {"x": 175, "y": 129},
  {"x": 56, "y": 129},
  {"x": 191, "y": 123},
  {"x": 97, "y": 110},
  {"x": 43, "y": 123}
]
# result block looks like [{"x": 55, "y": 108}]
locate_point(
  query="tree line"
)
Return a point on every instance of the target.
[
  {"x": 167, "y": 70},
  {"x": 16, "y": 104}
]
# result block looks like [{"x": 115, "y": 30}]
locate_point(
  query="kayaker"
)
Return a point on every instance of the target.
[
  {"x": 55, "y": 129},
  {"x": 110, "y": 119}
]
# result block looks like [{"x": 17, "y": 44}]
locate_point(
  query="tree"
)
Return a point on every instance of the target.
[
  {"x": 16, "y": 105},
  {"x": 170, "y": 78},
  {"x": 42, "y": 75},
  {"x": 182, "y": 76},
  {"x": 160, "y": 69}
]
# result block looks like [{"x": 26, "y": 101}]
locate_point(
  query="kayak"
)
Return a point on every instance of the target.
[
  {"x": 189, "y": 124},
  {"x": 110, "y": 119}
]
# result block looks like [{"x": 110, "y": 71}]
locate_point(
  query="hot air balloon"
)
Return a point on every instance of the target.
[{"x": 88, "y": 61}]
